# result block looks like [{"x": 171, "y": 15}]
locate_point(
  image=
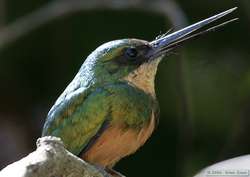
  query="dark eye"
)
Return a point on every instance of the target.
[{"x": 131, "y": 52}]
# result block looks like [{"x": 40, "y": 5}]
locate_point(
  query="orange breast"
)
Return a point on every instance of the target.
[{"x": 117, "y": 142}]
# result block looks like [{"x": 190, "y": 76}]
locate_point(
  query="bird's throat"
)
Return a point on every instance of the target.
[{"x": 144, "y": 76}]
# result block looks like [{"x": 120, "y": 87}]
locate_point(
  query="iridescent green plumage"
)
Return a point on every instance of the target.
[
  {"x": 78, "y": 118},
  {"x": 109, "y": 109},
  {"x": 101, "y": 96}
]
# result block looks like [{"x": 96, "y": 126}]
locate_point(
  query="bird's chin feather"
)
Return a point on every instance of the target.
[{"x": 143, "y": 77}]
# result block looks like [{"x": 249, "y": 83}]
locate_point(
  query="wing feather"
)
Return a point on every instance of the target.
[{"x": 78, "y": 117}]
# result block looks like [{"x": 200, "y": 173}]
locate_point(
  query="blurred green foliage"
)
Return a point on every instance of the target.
[{"x": 215, "y": 74}]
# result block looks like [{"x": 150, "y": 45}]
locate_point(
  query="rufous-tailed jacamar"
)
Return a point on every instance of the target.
[{"x": 110, "y": 109}]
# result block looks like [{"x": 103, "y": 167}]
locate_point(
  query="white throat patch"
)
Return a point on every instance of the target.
[{"x": 144, "y": 76}]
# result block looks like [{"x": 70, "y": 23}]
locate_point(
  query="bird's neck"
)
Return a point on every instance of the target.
[{"x": 143, "y": 78}]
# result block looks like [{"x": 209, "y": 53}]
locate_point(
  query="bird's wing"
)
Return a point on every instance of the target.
[{"x": 78, "y": 117}]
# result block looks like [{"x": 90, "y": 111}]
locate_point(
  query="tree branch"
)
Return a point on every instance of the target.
[
  {"x": 60, "y": 8},
  {"x": 51, "y": 159}
]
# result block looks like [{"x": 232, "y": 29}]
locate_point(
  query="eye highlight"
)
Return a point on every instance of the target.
[{"x": 131, "y": 52}]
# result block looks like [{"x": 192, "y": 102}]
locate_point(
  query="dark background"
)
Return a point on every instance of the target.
[{"x": 203, "y": 89}]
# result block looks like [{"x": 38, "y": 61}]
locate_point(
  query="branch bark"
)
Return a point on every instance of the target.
[{"x": 51, "y": 159}]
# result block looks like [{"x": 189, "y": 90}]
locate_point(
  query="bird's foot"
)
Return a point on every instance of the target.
[
  {"x": 114, "y": 173},
  {"x": 107, "y": 172},
  {"x": 102, "y": 171}
]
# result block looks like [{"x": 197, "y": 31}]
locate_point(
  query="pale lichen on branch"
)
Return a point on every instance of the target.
[{"x": 51, "y": 159}]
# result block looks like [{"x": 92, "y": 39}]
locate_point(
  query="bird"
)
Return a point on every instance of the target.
[{"x": 110, "y": 108}]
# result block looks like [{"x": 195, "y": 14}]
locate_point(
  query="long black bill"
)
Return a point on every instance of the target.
[{"x": 168, "y": 42}]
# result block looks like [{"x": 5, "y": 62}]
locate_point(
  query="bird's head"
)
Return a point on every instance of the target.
[{"x": 135, "y": 61}]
